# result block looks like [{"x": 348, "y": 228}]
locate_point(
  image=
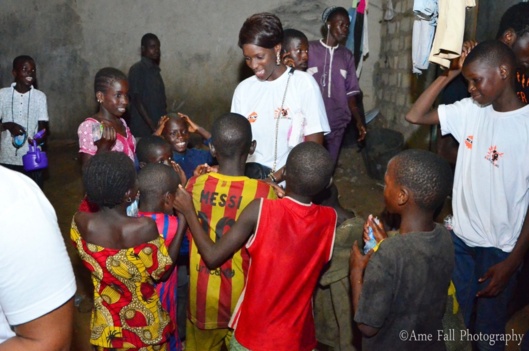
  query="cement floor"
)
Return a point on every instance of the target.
[{"x": 63, "y": 187}]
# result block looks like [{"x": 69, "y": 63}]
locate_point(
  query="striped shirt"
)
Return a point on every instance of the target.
[{"x": 219, "y": 200}]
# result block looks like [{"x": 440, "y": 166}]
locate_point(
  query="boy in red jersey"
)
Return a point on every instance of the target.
[
  {"x": 290, "y": 241},
  {"x": 219, "y": 199}
]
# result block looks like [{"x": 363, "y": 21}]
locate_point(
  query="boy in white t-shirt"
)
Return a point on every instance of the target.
[{"x": 490, "y": 197}]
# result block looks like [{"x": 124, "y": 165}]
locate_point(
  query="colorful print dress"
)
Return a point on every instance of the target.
[{"x": 127, "y": 313}]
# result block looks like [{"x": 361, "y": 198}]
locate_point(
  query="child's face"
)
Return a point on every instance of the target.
[
  {"x": 25, "y": 73},
  {"x": 176, "y": 133},
  {"x": 485, "y": 83},
  {"x": 339, "y": 27},
  {"x": 299, "y": 51},
  {"x": 161, "y": 154},
  {"x": 391, "y": 189},
  {"x": 115, "y": 99}
]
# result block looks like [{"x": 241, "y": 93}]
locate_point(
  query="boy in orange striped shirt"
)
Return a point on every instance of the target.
[{"x": 219, "y": 198}]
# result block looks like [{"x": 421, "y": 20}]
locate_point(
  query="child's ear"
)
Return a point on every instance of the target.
[
  {"x": 168, "y": 200},
  {"x": 252, "y": 147},
  {"x": 403, "y": 197},
  {"x": 99, "y": 96},
  {"x": 509, "y": 37},
  {"x": 504, "y": 72}
]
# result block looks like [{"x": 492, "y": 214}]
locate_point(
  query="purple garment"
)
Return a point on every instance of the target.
[
  {"x": 333, "y": 143},
  {"x": 338, "y": 83}
]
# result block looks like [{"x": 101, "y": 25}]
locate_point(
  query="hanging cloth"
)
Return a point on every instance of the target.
[
  {"x": 426, "y": 13},
  {"x": 365, "y": 46},
  {"x": 448, "y": 39}
]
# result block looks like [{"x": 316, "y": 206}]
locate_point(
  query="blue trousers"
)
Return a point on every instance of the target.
[{"x": 491, "y": 313}]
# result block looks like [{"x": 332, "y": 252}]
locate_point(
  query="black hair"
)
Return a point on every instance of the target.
[
  {"x": 148, "y": 145},
  {"x": 21, "y": 59},
  {"x": 329, "y": 13},
  {"x": 155, "y": 180},
  {"x": 427, "y": 176},
  {"x": 493, "y": 53},
  {"x": 107, "y": 177},
  {"x": 309, "y": 169},
  {"x": 231, "y": 135},
  {"x": 105, "y": 77},
  {"x": 147, "y": 37},
  {"x": 262, "y": 29},
  {"x": 516, "y": 18},
  {"x": 288, "y": 35}
]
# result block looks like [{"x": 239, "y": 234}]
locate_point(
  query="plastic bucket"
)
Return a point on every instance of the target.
[{"x": 381, "y": 145}]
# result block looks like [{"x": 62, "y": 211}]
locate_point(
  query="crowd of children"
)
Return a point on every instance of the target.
[{"x": 222, "y": 261}]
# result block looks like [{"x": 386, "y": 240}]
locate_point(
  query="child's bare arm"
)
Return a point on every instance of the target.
[
  {"x": 421, "y": 112},
  {"x": 215, "y": 254},
  {"x": 174, "y": 247},
  {"x": 195, "y": 128},
  {"x": 357, "y": 266},
  {"x": 161, "y": 125}
]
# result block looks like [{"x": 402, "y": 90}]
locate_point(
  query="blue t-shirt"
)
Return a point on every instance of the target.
[{"x": 191, "y": 158}]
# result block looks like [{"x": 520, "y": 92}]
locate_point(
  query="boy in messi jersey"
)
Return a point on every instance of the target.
[
  {"x": 289, "y": 241},
  {"x": 219, "y": 199}
]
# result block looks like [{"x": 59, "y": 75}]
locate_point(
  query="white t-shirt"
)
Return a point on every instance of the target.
[
  {"x": 36, "y": 273},
  {"x": 491, "y": 182},
  {"x": 24, "y": 109},
  {"x": 260, "y": 102}
]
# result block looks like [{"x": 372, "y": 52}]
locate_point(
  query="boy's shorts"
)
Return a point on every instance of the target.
[
  {"x": 206, "y": 339},
  {"x": 235, "y": 346}
]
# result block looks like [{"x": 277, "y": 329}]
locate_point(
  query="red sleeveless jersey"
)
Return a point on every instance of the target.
[{"x": 288, "y": 251}]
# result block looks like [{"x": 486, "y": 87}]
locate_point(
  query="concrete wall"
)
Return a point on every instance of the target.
[{"x": 201, "y": 62}]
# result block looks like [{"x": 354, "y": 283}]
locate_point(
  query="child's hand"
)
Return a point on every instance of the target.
[
  {"x": 205, "y": 168},
  {"x": 180, "y": 172},
  {"x": 38, "y": 137},
  {"x": 161, "y": 125},
  {"x": 108, "y": 138},
  {"x": 191, "y": 125},
  {"x": 358, "y": 261},
  {"x": 457, "y": 63},
  {"x": 280, "y": 192},
  {"x": 378, "y": 230},
  {"x": 183, "y": 202},
  {"x": 13, "y": 128}
]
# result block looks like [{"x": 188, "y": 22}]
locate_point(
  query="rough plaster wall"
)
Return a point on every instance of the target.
[
  {"x": 50, "y": 33},
  {"x": 201, "y": 62},
  {"x": 393, "y": 77}
]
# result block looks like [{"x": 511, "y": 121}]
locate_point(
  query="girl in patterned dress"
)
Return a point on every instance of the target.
[{"x": 125, "y": 256}]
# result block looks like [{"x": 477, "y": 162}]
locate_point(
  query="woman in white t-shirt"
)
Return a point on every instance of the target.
[{"x": 284, "y": 107}]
